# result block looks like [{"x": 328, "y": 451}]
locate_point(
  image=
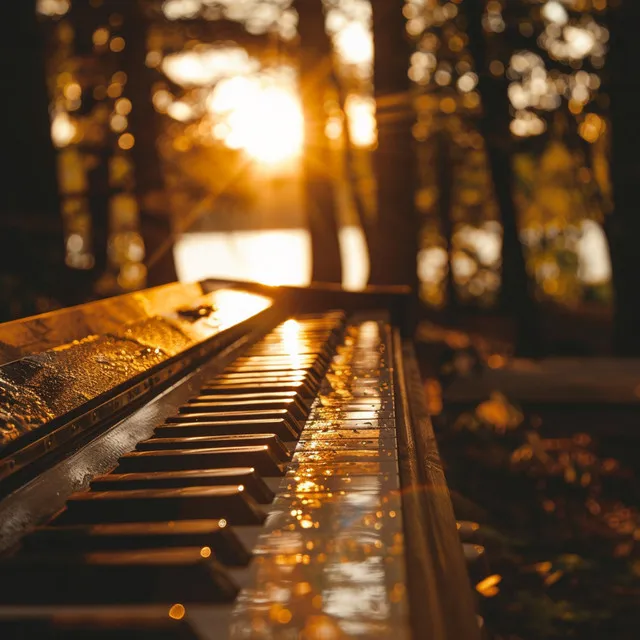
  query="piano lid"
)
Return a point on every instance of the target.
[{"x": 99, "y": 357}]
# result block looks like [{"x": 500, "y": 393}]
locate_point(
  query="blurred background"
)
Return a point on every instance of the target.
[
  {"x": 484, "y": 152},
  {"x": 171, "y": 143}
]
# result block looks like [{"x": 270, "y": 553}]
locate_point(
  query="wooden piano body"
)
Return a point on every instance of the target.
[{"x": 224, "y": 460}]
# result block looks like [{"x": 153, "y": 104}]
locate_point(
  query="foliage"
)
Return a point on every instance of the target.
[
  {"x": 563, "y": 525},
  {"x": 552, "y": 56}
]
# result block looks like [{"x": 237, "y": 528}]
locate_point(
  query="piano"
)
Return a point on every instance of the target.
[{"x": 224, "y": 460}]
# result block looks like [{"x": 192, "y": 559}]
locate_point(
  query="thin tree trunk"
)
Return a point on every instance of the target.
[
  {"x": 155, "y": 215},
  {"x": 624, "y": 223},
  {"x": 516, "y": 292},
  {"x": 394, "y": 255},
  {"x": 315, "y": 61},
  {"x": 85, "y": 19},
  {"x": 444, "y": 168}
]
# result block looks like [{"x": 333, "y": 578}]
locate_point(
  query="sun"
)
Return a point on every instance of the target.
[{"x": 260, "y": 115}]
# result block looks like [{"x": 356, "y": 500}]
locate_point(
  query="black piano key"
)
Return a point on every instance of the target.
[
  {"x": 304, "y": 363},
  {"x": 253, "y": 484},
  {"x": 96, "y": 626},
  {"x": 226, "y": 428},
  {"x": 224, "y": 416},
  {"x": 260, "y": 458},
  {"x": 306, "y": 389},
  {"x": 280, "y": 351},
  {"x": 256, "y": 385},
  {"x": 298, "y": 346},
  {"x": 214, "y": 534},
  {"x": 116, "y": 577},
  {"x": 159, "y": 505},
  {"x": 278, "y": 450},
  {"x": 211, "y": 406},
  {"x": 301, "y": 403},
  {"x": 305, "y": 346},
  {"x": 238, "y": 397},
  {"x": 315, "y": 340},
  {"x": 307, "y": 359},
  {"x": 311, "y": 338},
  {"x": 270, "y": 370},
  {"x": 289, "y": 365},
  {"x": 241, "y": 373},
  {"x": 294, "y": 375}
]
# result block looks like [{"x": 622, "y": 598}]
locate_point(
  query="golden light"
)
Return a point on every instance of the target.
[
  {"x": 114, "y": 90},
  {"x": 63, "y": 129},
  {"x": 333, "y": 128},
  {"x": 177, "y": 611},
  {"x": 555, "y": 12},
  {"x": 100, "y": 36},
  {"x": 361, "y": 116},
  {"x": 233, "y": 307},
  {"x": 489, "y": 586},
  {"x": 354, "y": 44},
  {"x": 205, "y": 67},
  {"x": 118, "y": 122},
  {"x": 161, "y": 100},
  {"x": 291, "y": 341},
  {"x": 592, "y": 127},
  {"x": 180, "y": 111},
  {"x": 123, "y": 106},
  {"x": 272, "y": 257},
  {"x": 53, "y": 8},
  {"x": 72, "y": 91},
  {"x": 263, "y": 117},
  {"x": 126, "y": 141},
  {"x": 117, "y": 44},
  {"x": 291, "y": 329}
]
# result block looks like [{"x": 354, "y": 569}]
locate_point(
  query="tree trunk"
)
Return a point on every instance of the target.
[
  {"x": 516, "y": 291},
  {"x": 444, "y": 168},
  {"x": 31, "y": 233},
  {"x": 394, "y": 254},
  {"x": 155, "y": 215},
  {"x": 85, "y": 19},
  {"x": 315, "y": 65},
  {"x": 624, "y": 222}
]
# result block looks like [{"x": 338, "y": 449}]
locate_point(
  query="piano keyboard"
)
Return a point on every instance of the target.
[
  {"x": 268, "y": 505},
  {"x": 295, "y": 442}
]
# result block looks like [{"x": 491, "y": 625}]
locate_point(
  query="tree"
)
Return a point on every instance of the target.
[
  {"x": 31, "y": 234},
  {"x": 155, "y": 215},
  {"x": 394, "y": 249},
  {"x": 624, "y": 223},
  {"x": 517, "y": 295},
  {"x": 445, "y": 179},
  {"x": 85, "y": 19},
  {"x": 315, "y": 71}
]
